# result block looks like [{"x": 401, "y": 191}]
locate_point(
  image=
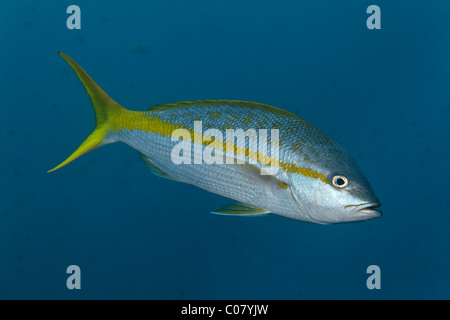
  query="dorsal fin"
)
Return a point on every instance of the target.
[{"x": 215, "y": 103}]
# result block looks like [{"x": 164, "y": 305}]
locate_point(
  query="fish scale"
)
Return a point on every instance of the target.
[{"x": 227, "y": 180}]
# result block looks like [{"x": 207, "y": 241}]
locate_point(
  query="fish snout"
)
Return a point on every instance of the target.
[
  {"x": 368, "y": 210},
  {"x": 364, "y": 211}
]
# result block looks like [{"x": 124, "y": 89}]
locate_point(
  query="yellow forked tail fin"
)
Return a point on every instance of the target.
[{"x": 104, "y": 108}]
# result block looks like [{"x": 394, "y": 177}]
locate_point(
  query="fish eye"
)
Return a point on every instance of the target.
[{"x": 340, "y": 181}]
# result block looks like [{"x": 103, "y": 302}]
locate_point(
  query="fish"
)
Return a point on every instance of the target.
[{"x": 266, "y": 159}]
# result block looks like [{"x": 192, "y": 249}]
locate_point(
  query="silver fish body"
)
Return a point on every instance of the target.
[
  {"x": 315, "y": 179},
  {"x": 309, "y": 156}
]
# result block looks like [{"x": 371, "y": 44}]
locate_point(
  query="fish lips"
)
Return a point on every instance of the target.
[{"x": 369, "y": 210}]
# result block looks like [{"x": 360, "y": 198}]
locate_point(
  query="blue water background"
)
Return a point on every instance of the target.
[{"x": 383, "y": 94}]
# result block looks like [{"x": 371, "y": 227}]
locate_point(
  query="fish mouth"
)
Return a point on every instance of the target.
[{"x": 369, "y": 209}]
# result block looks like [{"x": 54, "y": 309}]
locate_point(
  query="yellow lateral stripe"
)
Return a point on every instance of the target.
[
  {"x": 139, "y": 121},
  {"x": 110, "y": 117},
  {"x": 292, "y": 168}
]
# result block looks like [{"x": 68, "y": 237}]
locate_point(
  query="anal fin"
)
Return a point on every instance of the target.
[{"x": 241, "y": 210}]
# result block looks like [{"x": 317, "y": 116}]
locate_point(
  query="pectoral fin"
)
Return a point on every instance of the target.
[
  {"x": 260, "y": 176},
  {"x": 240, "y": 209}
]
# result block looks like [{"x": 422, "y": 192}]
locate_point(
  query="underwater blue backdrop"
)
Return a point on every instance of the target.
[{"x": 382, "y": 94}]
